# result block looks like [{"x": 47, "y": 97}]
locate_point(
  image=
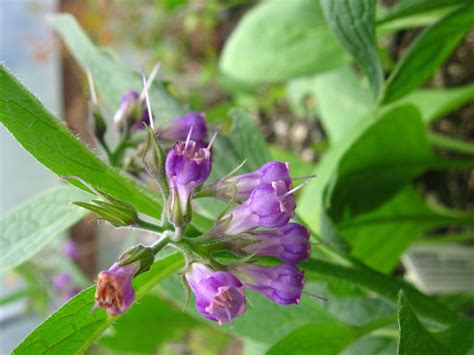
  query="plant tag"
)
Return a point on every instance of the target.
[{"x": 440, "y": 268}]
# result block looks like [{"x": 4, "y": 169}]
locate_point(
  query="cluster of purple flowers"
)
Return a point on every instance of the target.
[{"x": 258, "y": 225}]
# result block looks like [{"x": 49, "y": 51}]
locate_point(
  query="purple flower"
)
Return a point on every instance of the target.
[
  {"x": 187, "y": 167},
  {"x": 282, "y": 284},
  {"x": 71, "y": 250},
  {"x": 178, "y": 128},
  {"x": 114, "y": 290},
  {"x": 269, "y": 206},
  {"x": 132, "y": 111},
  {"x": 241, "y": 186},
  {"x": 64, "y": 284},
  {"x": 289, "y": 243},
  {"x": 62, "y": 281},
  {"x": 220, "y": 296}
]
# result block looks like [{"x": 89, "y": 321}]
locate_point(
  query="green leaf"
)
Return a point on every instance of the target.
[
  {"x": 389, "y": 154},
  {"x": 278, "y": 40},
  {"x": 72, "y": 329},
  {"x": 131, "y": 333},
  {"x": 414, "y": 338},
  {"x": 436, "y": 103},
  {"x": 344, "y": 101},
  {"x": 368, "y": 166},
  {"x": 411, "y": 7},
  {"x": 381, "y": 236},
  {"x": 32, "y": 226},
  {"x": 112, "y": 77},
  {"x": 428, "y": 52},
  {"x": 60, "y": 151},
  {"x": 323, "y": 339},
  {"x": 353, "y": 22},
  {"x": 383, "y": 285}
]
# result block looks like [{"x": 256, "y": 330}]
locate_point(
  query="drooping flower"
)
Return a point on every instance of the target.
[
  {"x": 282, "y": 284},
  {"x": 289, "y": 243},
  {"x": 187, "y": 167},
  {"x": 241, "y": 186},
  {"x": 132, "y": 111},
  {"x": 220, "y": 296},
  {"x": 178, "y": 128},
  {"x": 114, "y": 290},
  {"x": 269, "y": 206}
]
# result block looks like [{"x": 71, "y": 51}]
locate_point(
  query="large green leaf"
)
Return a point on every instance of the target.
[
  {"x": 343, "y": 100},
  {"x": 314, "y": 338},
  {"x": 436, "y": 103},
  {"x": 381, "y": 236},
  {"x": 29, "y": 228},
  {"x": 411, "y": 7},
  {"x": 428, "y": 52},
  {"x": 414, "y": 338},
  {"x": 353, "y": 22},
  {"x": 383, "y": 285},
  {"x": 59, "y": 150},
  {"x": 132, "y": 332},
  {"x": 390, "y": 154},
  {"x": 72, "y": 329},
  {"x": 278, "y": 40},
  {"x": 368, "y": 166},
  {"x": 112, "y": 77}
]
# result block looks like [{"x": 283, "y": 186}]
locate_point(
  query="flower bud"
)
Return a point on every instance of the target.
[
  {"x": 282, "y": 284},
  {"x": 178, "y": 128},
  {"x": 220, "y": 296},
  {"x": 114, "y": 291},
  {"x": 140, "y": 253},
  {"x": 187, "y": 167},
  {"x": 153, "y": 156},
  {"x": 289, "y": 243},
  {"x": 132, "y": 112},
  {"x": 241, "y": 186},
  {"x": 269, "y": 206}
]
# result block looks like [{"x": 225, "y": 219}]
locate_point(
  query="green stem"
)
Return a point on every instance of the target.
[
  {"x": 160, "y": 244},
  {"x": 453, "y": 144},
  {"x": 150, "y": 227}
]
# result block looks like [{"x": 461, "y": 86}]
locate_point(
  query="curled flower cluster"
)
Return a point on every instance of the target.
[{"x": 256, "y": 224}]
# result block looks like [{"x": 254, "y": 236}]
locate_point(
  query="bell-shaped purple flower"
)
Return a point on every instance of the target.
[
  {"x": 178, "y": 128},
  {"x": 269, "y": 206},
  {"x": 289, "y": 243},
  {"x": 187, "y": 166},
  {"x": 132, "y": 111},
  {"x": 282, "y": 284},
  {"x": 114, "y": 291},
  {"x": 241, "y": 186},
  {"x": 220, "y": 296}
]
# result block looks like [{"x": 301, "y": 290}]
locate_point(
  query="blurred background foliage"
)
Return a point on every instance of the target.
[{"x": 389, "y": 176}]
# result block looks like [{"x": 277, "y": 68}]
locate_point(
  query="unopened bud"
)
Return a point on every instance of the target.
[
  {"x": 153, "y": 156},
  {"x": 139, "y": 253}
]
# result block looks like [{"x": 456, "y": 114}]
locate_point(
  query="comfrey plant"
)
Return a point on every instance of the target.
[{"x": 255, "y": 227}]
